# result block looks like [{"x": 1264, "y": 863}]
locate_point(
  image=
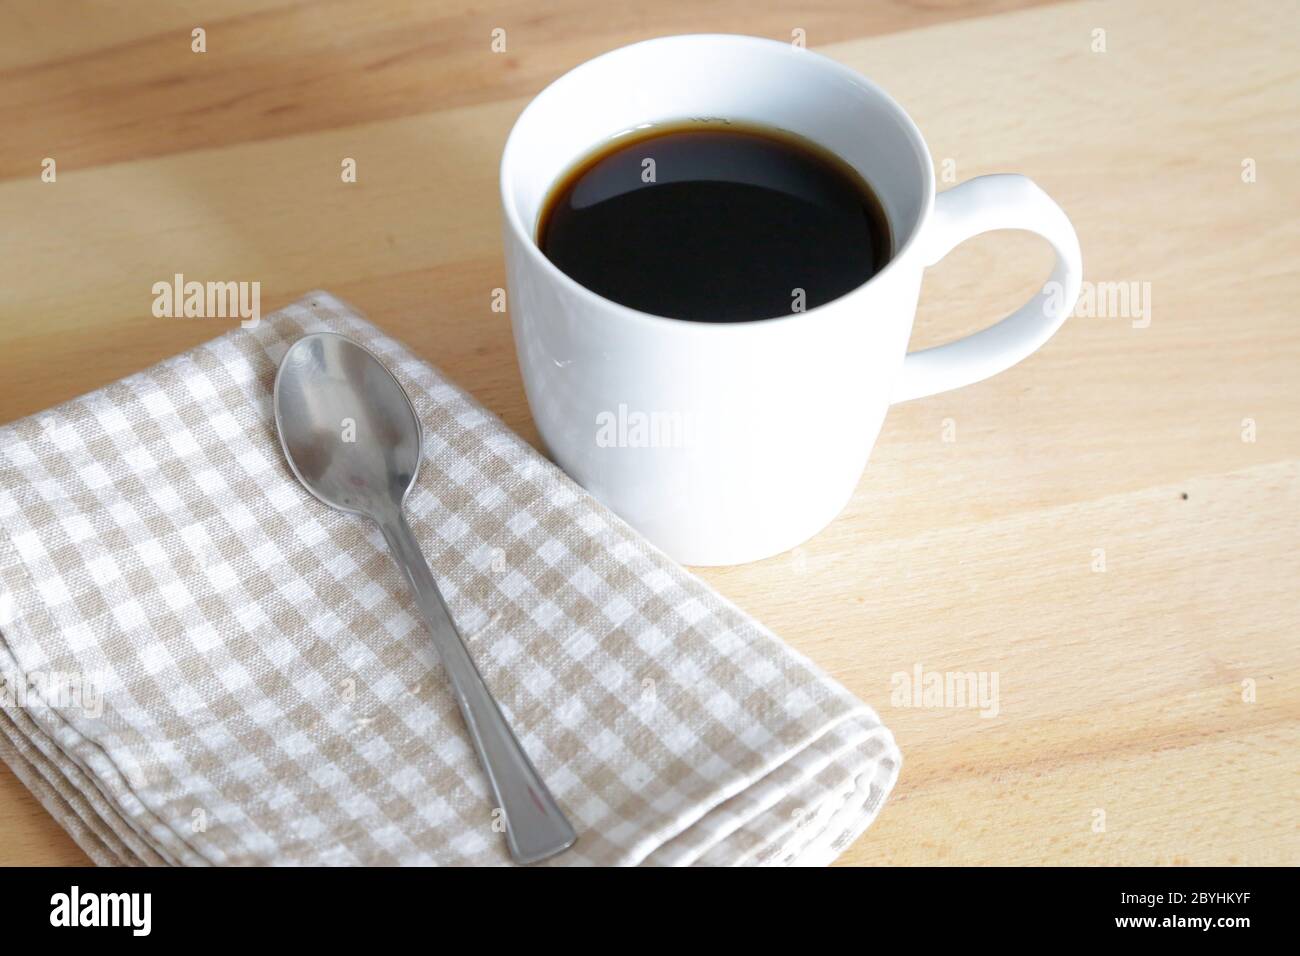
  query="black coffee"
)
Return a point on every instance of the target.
[{"x": 715, "y": 223}]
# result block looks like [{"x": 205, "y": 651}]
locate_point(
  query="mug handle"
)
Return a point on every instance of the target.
[{"x": 983, "y": 204}]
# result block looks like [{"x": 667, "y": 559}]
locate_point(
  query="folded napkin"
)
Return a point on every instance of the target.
[{"x": 203, "y": 664}]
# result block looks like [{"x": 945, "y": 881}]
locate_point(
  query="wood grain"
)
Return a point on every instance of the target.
[{"x": 973, "y": 542}]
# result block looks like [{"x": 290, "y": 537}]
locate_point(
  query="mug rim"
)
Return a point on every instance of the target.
[{"x": 554, "y": 272}]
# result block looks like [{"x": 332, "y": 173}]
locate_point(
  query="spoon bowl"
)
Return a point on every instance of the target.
[{"x": 347, "y": 426}]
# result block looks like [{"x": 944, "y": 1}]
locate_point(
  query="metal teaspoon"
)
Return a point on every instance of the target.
[{"x": 327, "y": 383}]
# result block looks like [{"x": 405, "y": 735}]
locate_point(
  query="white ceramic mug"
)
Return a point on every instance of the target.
[{"x": 728, "y": 442}]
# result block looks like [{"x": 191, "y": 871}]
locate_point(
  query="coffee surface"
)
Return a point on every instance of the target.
[{"x": 714, "y": 223}]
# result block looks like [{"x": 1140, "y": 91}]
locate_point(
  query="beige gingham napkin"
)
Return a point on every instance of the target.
[{"x": 203, "y": 664}]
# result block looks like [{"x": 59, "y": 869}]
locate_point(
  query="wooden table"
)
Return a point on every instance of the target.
[{"x": 1112, "y": 528}]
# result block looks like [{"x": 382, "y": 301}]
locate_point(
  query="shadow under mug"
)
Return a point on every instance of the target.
[{"x": 724, "y": 443}]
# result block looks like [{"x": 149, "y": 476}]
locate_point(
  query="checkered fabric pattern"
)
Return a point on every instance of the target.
[{"x": 203, "y": 664}]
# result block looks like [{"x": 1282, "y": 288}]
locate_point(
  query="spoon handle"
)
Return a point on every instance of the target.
[{"x": 535, "y": 826}]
